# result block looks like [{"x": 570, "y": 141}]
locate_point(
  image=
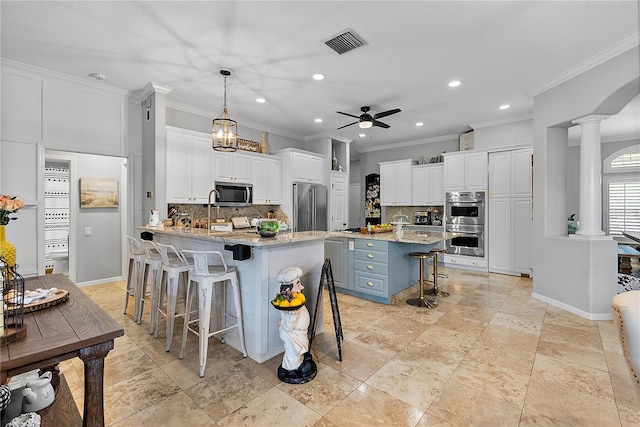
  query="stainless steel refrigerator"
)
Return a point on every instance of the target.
[{"x": 309, "y": 207}]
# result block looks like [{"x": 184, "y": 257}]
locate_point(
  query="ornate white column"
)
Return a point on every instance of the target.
[{"x": 590, "y": 212}]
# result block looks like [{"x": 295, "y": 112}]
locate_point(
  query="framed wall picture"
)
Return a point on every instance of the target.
[{"x": 98, "y": 193}]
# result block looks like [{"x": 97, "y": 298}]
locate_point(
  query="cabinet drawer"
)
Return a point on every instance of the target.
[
  {"x": 372, "y": 245},
  {"x": 371, "y": 267},
  {"x": 369, "y": 284},
  {"x": 371, "y": 256}
]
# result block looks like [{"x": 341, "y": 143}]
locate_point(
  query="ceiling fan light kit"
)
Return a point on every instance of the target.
[{"x": 224, "y": 132}]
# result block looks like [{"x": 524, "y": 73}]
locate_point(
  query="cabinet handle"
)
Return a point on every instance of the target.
[
  {"x": 370, "y": 267},
  {"x": 369, "y": 284},
  {"x": 370, "y": 244},
  {"x": 369, "y": 256}
]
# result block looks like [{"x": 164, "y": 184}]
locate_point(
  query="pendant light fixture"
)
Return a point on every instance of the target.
[{"x": 224, "y": 135}]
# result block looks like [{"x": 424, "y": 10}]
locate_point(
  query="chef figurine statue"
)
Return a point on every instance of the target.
[{"x": 297, "y": 365}]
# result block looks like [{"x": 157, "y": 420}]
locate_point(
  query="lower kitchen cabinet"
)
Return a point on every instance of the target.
[{"x": 371, "y": 269}]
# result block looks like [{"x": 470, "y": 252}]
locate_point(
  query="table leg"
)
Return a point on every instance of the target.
[{"x": 93, "y": 358}]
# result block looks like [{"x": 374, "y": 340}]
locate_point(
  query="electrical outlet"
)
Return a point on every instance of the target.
[
  {"x": 352, "y": 245},
  {"x": 87, "y": 231}
]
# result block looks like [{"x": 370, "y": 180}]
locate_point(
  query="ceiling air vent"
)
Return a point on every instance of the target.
[{"x": 345, "y": 41}]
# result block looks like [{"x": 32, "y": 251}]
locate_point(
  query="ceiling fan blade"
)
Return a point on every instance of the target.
[
  {"x": 346, "y": 125},
  {"x": 386, "y": 113},
  {"x": 381, "y": 125},
  {"x": 347, "y": 114}
]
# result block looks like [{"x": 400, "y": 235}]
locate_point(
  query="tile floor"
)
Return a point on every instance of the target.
[{"x": 488, "y": 355}]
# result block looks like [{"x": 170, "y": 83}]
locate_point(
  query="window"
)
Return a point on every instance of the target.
[{"x": 622, "y": 192}]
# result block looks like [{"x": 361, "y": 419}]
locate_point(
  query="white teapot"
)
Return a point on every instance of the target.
[{"x": 38, "y": 393}]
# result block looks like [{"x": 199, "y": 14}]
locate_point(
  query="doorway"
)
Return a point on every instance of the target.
[{"x": 57, "y": 215}]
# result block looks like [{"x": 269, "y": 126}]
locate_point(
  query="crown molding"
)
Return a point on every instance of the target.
[
  {"x": 54, "y": 76},
  {"x": 451, "y": 137},
  {"x": 612, "y": 52}
]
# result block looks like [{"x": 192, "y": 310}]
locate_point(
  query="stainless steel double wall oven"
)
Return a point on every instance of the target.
[{"x": 465, "y": 214}]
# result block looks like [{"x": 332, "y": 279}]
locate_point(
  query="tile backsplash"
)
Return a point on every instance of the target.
[
  {"x": 409, "y": 211},
  {"x": 198, "y": 213}
]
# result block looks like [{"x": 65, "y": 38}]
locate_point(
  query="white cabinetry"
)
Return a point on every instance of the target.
[
  {"x": 267, "y": 180},
  {"x": 232, "y": 167},
  {"x": 395, "y": 183},
  {"x": 427, "y": 185},
  {"x": 465, "y": 171},
  {"x": 189, "y": 159},
  {"x": 509, "y": 216},
  {"x": 307, "y": 168},
  {"x": 338, "y": 201}
]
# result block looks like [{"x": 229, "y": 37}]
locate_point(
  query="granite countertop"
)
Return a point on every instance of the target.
[
  {"x": 423, "y": 237},
  {"x": 246, "y": 236}
]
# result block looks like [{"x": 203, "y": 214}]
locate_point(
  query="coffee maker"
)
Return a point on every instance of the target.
[{"x": 422, "y": 218}]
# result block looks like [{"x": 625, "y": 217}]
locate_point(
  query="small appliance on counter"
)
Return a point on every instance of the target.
[
  {"x": 154, "y": 218},
  {"x": 422, "y": 218}
]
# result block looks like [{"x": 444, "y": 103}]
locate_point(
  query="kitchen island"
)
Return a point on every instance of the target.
[
  {"x": 378, "y": 266},
  {"x": 258, "y": 260}
]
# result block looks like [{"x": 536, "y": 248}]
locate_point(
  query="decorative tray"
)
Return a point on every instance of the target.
[
  {"x": 375, "y": 230},
  {"x": 277, "y": 307},
  {"x": 47, "y": 298}
]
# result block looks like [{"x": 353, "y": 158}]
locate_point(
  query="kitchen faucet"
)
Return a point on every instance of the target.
[{"x": 209, "y": 208}]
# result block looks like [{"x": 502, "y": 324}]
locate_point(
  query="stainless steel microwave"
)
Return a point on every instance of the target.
[{"x": 234, "y": 194}]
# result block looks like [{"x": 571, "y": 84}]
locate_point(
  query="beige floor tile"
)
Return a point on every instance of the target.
[
  {"x": 226, "y": 391},
  {"x": 577, "y": 345},
  {"x": 368, "y": 406},
  {"x": 409, "y": 382},
  {"x": 461, "y": 405},
  {"x": 504, "y": 355},
  {"x": 176, "y": 410},
  {"x": 519, "y": 323},
  {"x": 272, "y": 408},
  {"x": 137, "y": 393},
  {"x": 507, "y": 336},
  {"x": 358, "y": 361},
  {"x": 497, "y": 381},
  {"x": 325, "y": 391}
]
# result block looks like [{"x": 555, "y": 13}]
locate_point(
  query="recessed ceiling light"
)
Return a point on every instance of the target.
[
  {"x": 318, "y": 76},
  {"x": 98, "y": 76},
  {"x": 261, "y": 100},
  {"x": 362, "y": 135},
  {"x": 420, "y": 124},
  {"x": 504, "y": 107},
  {"x": 454, "y": 83},
  {"x": 318, "y": 120}
]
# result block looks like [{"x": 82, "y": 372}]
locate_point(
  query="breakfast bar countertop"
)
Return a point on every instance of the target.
[
  {"x": 420, "y": 237},
  {"x": 245, "y": 236}
]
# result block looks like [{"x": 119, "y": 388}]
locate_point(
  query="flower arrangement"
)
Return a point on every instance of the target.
[{"x": 9, "y": 205}]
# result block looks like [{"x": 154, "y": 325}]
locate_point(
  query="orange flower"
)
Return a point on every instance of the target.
[{"x": 9, "y": 205}]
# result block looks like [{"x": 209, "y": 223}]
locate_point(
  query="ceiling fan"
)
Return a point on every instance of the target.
[{"x": 366, "y": 120}]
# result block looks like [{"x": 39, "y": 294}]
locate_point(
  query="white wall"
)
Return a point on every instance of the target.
[
  {"x": 44, "y": 110},
  {"x": 576, "y": 274},
  {"x": 518, "y": 133}
]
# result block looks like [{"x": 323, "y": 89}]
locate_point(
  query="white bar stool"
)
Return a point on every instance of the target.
[
  {"x": 174, "y": 267},
  {"x": 152, "y": 270},
  {"x": 206, "y": 275},
  {"x": 134, "y": 277}
]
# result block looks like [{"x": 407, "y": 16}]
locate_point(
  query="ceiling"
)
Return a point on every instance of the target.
[{"x": 502, "y": 52}]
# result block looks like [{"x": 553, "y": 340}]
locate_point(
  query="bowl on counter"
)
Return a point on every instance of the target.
[{"x": 268, "y": 227}]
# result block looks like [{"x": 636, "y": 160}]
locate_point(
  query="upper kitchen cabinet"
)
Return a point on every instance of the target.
[
  {"x": 465, "y": 171},
  {"x": 232, "y": 167},
  {"x": 267, "y": 180},
  {"x": 510, "y": 173},
  {"x": 307, "y": 168},
  {"x": 189, "y": 161},
  {"x": 427, "y": 185},
  {"x": 395, "y": 183}
]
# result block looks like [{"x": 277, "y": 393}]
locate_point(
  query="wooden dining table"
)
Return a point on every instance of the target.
[{"x": 78, "y": 327}]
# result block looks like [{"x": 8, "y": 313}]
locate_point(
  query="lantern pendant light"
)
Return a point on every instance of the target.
[{"x": 224, "y": 135}]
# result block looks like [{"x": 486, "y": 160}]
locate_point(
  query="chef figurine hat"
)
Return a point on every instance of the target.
[{"x": 289, "y": 275}]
